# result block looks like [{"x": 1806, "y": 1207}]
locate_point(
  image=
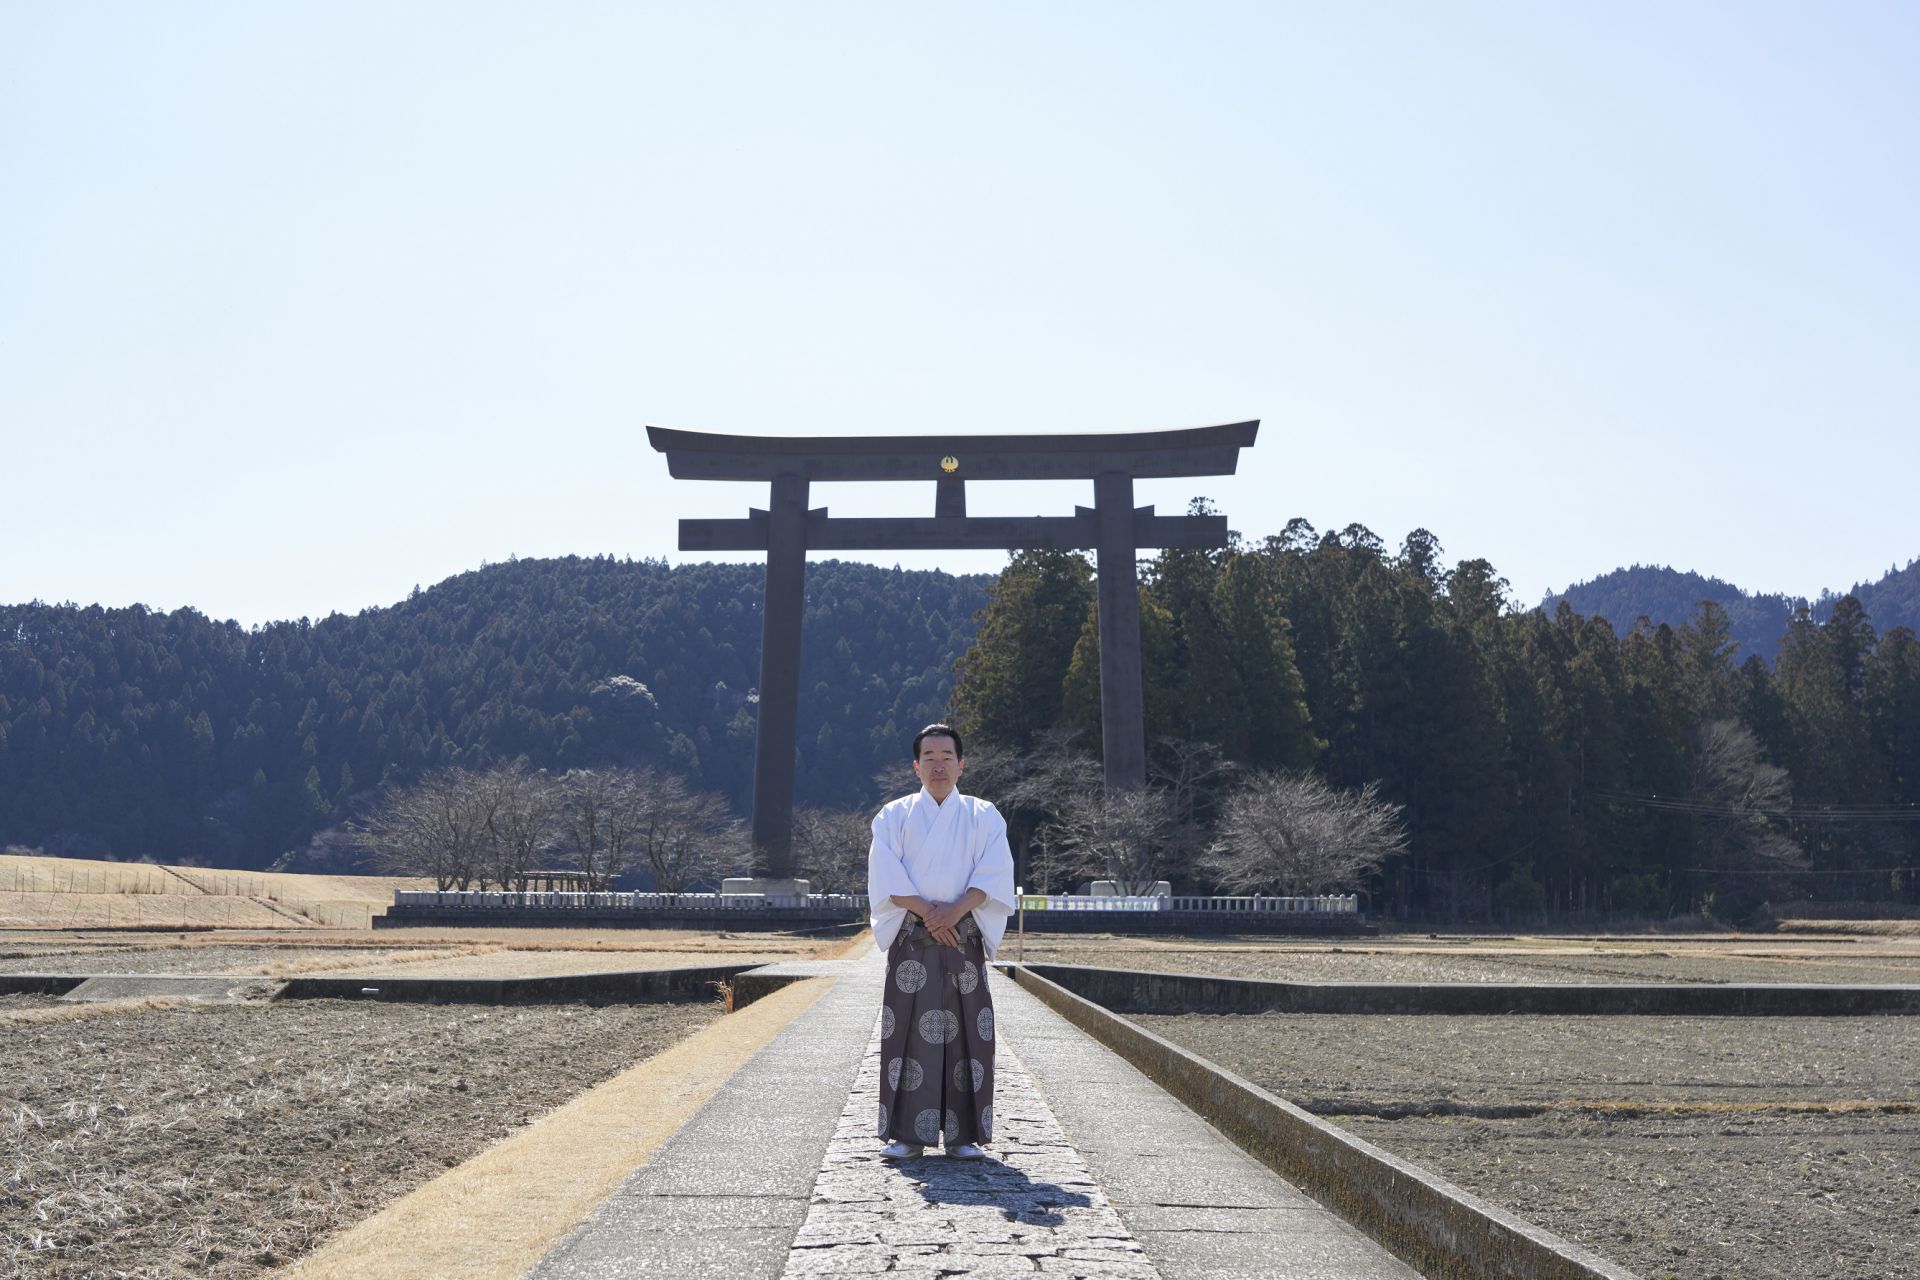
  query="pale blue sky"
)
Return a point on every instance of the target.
[{"x": 302, "y": 304}]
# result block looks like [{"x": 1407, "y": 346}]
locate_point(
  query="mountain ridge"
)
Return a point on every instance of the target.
[{"x": 1663, "y": 594}]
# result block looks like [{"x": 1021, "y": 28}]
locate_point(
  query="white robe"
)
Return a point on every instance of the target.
[{"x": 939, "y": 851}]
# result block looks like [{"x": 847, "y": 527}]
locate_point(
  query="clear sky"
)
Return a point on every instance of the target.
[{"x": 303, "y": 304}]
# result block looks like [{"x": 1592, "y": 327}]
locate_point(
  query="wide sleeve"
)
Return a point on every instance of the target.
[
  {"x": 993, "y": 876},
  {"x": 886, "y": 876}
]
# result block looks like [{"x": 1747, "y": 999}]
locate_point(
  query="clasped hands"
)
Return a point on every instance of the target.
[{"x": 944, "y": 920}]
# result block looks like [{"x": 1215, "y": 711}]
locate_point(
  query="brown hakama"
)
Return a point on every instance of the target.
[{"x": 936, "y": 1040}]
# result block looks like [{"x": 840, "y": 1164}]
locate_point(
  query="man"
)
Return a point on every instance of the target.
[{"x": 940, "y": 880}]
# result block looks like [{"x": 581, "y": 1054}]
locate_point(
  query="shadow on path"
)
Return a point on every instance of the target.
[{"x": 1019, "y": 1198}]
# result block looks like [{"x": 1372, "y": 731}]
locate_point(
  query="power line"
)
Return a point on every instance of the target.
[
  {"x": 1825, "y": 813},
  {"x": 1793, "y": 871}
]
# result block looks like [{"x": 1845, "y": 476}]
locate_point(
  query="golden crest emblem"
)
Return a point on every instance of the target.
[{"x": 949, "y": 464}]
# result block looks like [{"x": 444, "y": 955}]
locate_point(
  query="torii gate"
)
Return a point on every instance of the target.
[{"x": 1114, "y": 529}]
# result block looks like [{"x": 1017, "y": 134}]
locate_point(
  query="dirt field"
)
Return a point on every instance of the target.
[
  {"x": 224, "y": 1140},
  {"x": 1824, "y": 958},
  {"x": 1762, "y": 1148},
  {"x": 421, "y": 953}
]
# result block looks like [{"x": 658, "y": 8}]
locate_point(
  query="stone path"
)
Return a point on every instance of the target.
[
  {"x": 1031, "y": 1208},
  {"x": 1094, "y": 1171}
]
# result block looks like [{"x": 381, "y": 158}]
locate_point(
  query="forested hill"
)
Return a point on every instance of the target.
[
  {"x": 1667, "y": 595},
  {"x": 131, "y": 732}
]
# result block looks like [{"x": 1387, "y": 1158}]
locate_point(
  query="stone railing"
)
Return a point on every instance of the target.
[
  {"x": 840, "y": 903},
  {"x": 497, "y": 899},
  {"x": 1318, "y": 904}
]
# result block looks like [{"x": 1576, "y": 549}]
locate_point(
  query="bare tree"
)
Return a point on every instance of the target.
[
  {"x": 437, "y": 827},
  {"x": 1736, "y": 794},
  {"x": 1050, "y": 776},
  {"x": 1292, "y": 833},
  {"x": 1126, "y": 837},
  {"x": 1193, "y": 775},
  {"x": 684, "y": 836},
  {"x": 1032, "y": 789},
  {"x": 830, "y": 848},
  {"x": 523, "y": 821},
  {"x": 598, "y": 816}
]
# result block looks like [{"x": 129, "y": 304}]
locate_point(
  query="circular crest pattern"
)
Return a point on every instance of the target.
[
  {"x": 910, "y": 976},
  {"x": 986, "y": 1123},
  {"x": 969, "y": 978},
  {"x": 926, "y": 1126},
  {"x": 886, "y": 1023},
  {"x": 937, "y": 1026},
  {"x": 881, "y": 1130},
  {"x": 969, "y": 1075},
  {"x": 984, "y": 1024},
  {"x": 951, "y": 1134}
]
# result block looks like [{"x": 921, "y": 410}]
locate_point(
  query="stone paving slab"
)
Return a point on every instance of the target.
[
  {"x": 724, "y": 1197},
  {"x": 1031, "y": 1209}
]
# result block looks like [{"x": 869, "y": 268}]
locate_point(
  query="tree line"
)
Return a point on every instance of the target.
[
  {"x": 1540, "y": 762},
  {"x": 134, "y": 733},
  {"x": 1530, "y": 761}
]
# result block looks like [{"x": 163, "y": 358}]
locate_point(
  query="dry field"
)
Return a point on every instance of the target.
[
  {"x": 1759, "y": 1148},
  {"x": 222, "y": 1141},
  {"x": 1832, "y": 957},
  {"x": 489, "y": 953},
  {"x": 39, "y": 892}
]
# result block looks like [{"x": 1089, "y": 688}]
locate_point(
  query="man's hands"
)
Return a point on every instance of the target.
[
  {"x": 943, "y": 922},
  {"x": 942, "y": 918}
]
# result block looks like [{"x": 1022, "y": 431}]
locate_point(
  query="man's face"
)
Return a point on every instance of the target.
[{"x": 939, "y": 765}]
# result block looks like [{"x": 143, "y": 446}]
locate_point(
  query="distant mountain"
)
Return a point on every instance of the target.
[
  {"x": 1893, "y": 601},
  {"x": 1660, "y": 594}
]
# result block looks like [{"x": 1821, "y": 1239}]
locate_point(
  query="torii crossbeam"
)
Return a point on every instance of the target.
[{"x": 1113, "y": 528}]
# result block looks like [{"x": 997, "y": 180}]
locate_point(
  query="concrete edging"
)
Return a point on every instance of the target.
[
  {"x": 643, "y": 985},
  {"x": 39, "y": 984},
  {"x": 750, "y": 982},
  {"x": 1136, "y": 991},
  {"x": 1438, "y": 1228}
]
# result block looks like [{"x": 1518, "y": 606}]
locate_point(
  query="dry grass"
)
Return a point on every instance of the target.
[
  {"x": 90, "y": 911},
  {"x": 295, "y": 965},
  {"x": 39, "y": 892},
  {"x": 89, "y": 1009},
  {"x": 1864, "y": 928},
  {"x": 1823, "y": 957},
  {"x": 475, "y": 953},
  {"x": 1837, "y": 1107}
]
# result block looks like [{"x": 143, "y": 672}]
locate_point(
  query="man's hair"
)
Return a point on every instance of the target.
[{"x": 939, "y": 731}]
